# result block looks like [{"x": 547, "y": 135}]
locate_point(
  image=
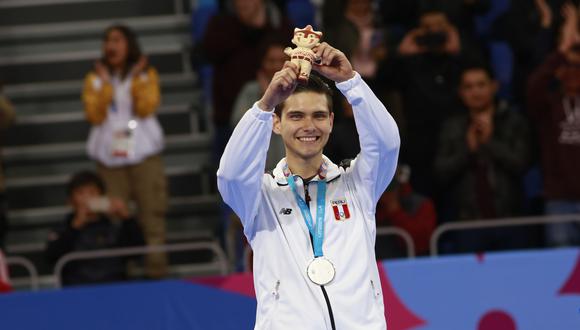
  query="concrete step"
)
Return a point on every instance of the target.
[
  {"x": 69, "y": 11},
  {"x": 82, "y": 29},
  {"x": 52, "y": 109},
  {"x": 175, "y": 120},
  {"x": 65, "y": 89}
]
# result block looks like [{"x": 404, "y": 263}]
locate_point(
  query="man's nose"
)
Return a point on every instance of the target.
[{"x": 308, "y": 124}]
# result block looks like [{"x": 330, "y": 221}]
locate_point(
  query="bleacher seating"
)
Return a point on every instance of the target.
[{"x": 46, "y": 48}]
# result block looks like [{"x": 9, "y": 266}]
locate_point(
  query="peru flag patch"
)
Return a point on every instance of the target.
[{"x": 340, "y": 209}]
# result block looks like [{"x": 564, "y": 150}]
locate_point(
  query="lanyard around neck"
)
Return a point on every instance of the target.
[{"x": 316, "y": 230}]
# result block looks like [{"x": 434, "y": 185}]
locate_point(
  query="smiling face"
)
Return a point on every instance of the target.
[
  {"x": 305, "y": 125},
  {"x": 306, "y": 40}
]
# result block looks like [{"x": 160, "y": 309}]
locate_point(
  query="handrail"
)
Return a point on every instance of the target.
[
  {"x": 29, "y": 266},
  {"x": 381, "y": 231},
  {"x": 385, "y": 231},
  {"x": 139, "y": 250},
  {"x": 492, "y": 223}
]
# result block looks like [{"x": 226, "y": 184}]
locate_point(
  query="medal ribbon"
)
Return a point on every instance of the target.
[{"x": 316, "y": 230}]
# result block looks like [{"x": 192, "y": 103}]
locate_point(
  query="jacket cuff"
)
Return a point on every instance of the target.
[
  {"x": 261, "y": 114},
  {"x": 347, "y": 85}
]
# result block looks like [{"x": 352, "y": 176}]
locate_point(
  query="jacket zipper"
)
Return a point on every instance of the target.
[{"x": 330, "y": 314}]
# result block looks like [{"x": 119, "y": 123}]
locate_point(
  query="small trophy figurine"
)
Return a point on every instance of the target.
[{"x": 305, "y": 39}]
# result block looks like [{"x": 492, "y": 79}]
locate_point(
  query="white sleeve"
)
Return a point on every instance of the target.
[
  {"x": 242, "y": 164},
  {"x": 375, "y": 165}
]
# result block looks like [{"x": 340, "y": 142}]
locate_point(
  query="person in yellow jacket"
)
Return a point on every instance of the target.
[{"x": 121, "y": 96}]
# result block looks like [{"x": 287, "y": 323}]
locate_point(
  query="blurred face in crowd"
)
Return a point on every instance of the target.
[
  {"x": 247, "y": 9},
  {"x": 569, "y": 75},
  {"x": 273, "y": 60},
  {"x": 116, "y": 49},
  {"x": 358, "y": 7},
  {"x": 434, "y": 22},
  {"x": 477, "y": 90},
  {"x": 305, "y": 125},
  {"x": 81, "y": 195}
]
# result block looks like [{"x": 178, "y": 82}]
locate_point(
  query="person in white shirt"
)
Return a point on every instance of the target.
[
  {"x": 311, "y": 223},
  {"x": 121, "y": 97}
]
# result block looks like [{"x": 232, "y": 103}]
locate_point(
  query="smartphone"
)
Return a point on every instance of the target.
[{"x": 99, "y": 204}]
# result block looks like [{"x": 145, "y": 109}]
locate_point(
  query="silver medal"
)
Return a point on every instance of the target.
[{"x": 320, "y": 271}]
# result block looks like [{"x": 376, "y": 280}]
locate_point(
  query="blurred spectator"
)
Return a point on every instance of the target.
[
  {"x": 426, "y": 69},
  {"x": 4, "y": 276},
  {"x": 554, "y": 104},
  {"x": 529, "y": 28},
  {"x": 372, "y": 47},
  {"x": 7, "y": 115},
  {"x": 96, "y": 222},
  {"x": 120, "y": 97},
  {"x": 460, "y": 12},
  {"x": 401, "y": 207},
  {"x": 343, "y": 143},
  {"x": 482, "y": 157},
  {"x": 231, "y": 45},
  {"x": 272, "y": 60}
]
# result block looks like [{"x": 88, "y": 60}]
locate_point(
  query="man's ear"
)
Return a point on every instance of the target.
[
  {"x": 331, "y": 120},
  {"x": 276, "y": 125}
]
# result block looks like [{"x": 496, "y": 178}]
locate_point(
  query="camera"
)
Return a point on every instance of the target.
[
  {"x": 99, "y": 204},
  {"x": 432, "y": 40}
]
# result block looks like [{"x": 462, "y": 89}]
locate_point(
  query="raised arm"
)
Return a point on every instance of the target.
[
  {"x": 242, "y": 164},
  {"x": 379, "y": 138}
]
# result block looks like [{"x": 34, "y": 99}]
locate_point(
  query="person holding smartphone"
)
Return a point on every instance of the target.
[
  {"x": 121, "y": 96},
  {"x": 96, "y": 222}
]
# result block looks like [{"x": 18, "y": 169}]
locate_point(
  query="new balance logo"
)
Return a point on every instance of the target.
[{"x": 285, "y": 211}]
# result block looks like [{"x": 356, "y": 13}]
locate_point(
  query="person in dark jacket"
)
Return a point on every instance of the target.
[
  {"x": 96, "y": 222},
  {"x": 481, "y": 159},
  {"x": 427, "y": 65}
]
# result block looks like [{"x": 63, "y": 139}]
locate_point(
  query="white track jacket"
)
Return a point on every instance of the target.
[{"x": 279, "y": 237}]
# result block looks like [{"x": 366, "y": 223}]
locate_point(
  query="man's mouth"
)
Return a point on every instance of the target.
[{"x": 308, "y": 139}]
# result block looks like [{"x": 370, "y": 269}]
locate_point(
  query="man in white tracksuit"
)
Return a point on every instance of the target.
[{"x": 311, "y": 223}]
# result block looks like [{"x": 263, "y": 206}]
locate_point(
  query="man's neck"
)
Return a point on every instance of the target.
[{"x": 305, "y": 168}]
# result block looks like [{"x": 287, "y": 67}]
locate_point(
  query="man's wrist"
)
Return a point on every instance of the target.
[
  {"x": 264, "y": 106},
  {"x": 347, "y": 77}
]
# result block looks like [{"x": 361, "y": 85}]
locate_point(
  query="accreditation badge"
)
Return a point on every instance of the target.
[
  {"x": 340, "y": 209},
  {"x": 123, "y": 142}
]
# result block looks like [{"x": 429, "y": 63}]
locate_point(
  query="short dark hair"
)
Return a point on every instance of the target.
[
  {"x": 315, "y": 84},
  {"x": 269, "y": 41},
  {"x": 85, "y": 178},
  {"x": 477, "y": 67},
  {"x": 133, "y": 49}
]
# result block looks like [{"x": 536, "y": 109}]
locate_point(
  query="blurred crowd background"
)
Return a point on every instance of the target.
[{"x": 115, "y": 114}]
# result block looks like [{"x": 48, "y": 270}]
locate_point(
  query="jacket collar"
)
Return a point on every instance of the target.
[{"x": 328, "y": 171}]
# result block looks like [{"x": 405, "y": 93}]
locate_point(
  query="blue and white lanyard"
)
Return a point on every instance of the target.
[{"x": 318, "y": 232}]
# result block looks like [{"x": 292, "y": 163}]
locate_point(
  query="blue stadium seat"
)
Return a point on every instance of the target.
[{"x": 301, "y": 12}]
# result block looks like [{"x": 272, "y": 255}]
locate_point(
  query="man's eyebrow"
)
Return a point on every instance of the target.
[{"x": 294, "y": 112}]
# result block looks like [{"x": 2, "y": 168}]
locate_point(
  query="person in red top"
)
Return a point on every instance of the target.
[
  {"x": 554, "y": 104},
  {"x": 4, "y": 277},
  {"x": 401, "y": 207}
]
